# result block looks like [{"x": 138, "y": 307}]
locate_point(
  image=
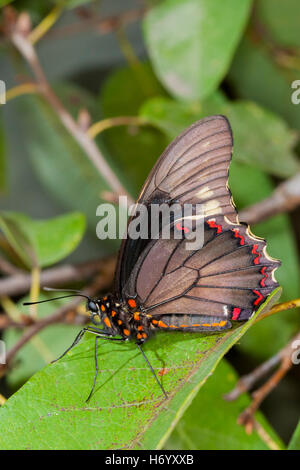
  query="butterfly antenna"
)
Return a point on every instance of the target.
[
  {"x": 75, "y": 293},
  {"x": 152, "y": 370}
]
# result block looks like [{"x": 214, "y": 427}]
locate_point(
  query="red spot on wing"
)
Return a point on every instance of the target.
[
  {"x": 254, "y": 252},
  {"x": 259, "y": 297},
  {"x": 263, "y": 281},
  {"x": 235, "y": 313},
  {"x": 238, "y": 235},
  {"x": 213, "y": 224},
  {"x": 179, "y": 227}
]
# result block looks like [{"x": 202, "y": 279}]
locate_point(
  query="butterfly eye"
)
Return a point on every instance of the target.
[{"x": 92, "y": 307}]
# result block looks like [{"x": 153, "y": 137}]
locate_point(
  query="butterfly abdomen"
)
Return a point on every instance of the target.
[{"x": 191, "y": 323}]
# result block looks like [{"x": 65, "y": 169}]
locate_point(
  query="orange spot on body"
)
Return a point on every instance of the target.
[
  {"x": 102, "y": 308},
  {"x": 221, "y": 323},
  {"x": 139, "y": 336},
  {"x": 126, "y": 332},
  {"x": 107, "y": 322},
  {"x": 161, "y": 324},
  {"x": 140, "y": 328},
  {"x": 120, "y": 322},
  {"x": 154, "y": 322},
  {"x": 132, "y": 303},
  {"x": 144, "y": 335},
  {"x": 136, "y": 316},
  {"x": 113, "y": 313}
]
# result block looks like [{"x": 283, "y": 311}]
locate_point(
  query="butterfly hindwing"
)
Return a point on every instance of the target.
[{"x": 228, "y": 278}]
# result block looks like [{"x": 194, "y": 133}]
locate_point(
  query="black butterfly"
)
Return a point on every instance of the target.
[{"x": 159, "y": 284}]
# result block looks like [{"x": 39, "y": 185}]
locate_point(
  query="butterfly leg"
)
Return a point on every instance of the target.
[
  {"x": 96, "y": 361},
  {"x": 79, "y": 337},
  {"x": 152, "y": 370},
  {"x": 96, "y": 369}
]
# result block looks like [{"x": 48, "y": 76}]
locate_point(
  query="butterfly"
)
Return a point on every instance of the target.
[{"x": 162, "y": 285}]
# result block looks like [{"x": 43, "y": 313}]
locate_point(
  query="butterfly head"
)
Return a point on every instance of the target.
[
  {"x": 99, "y": 310},
  {"x": 94, "y": 309}
]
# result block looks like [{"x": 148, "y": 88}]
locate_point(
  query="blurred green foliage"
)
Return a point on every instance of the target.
[{"x": 201, "y": 57}]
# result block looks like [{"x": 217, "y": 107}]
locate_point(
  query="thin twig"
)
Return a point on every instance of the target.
[
  {"x": 7, "y": 268},
  {"x": 284, "y": 198},
  {"x": 67, "y": 273},
  {"x": 246, "y": 418},
  {"x": 34, "y": 290},
  {"x": 246, "y": 383},
  {"x": 284, "y": 359},
  {"x": 27, "y": 50},
  {"x": 263, "y": 434},
  {"x": 98, "y": 24}
]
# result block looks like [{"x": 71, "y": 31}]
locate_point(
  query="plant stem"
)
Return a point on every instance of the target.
[
  {"x": 43, "y": 27},
  {"x": 34, "y": 290},
  {"x": 279, "y": 308},
  {"x": 104, "y": 124},
  {"x": 2, "y": 400},
  {"x": 20, "y": 282},
  {"x": 25, "y": 88}
]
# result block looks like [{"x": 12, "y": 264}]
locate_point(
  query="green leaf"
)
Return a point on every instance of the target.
[
  {"x": 210, "y": 423},
  {"x": 191, "y": 42},
  {"x": 172, "y": 117},
  {"x": 295, "y": 441},
  {"x": 11, "y": 225},
  {"x": 255, "y": 76},
  {"x": 262, "y": 139},
  {"x": 4, "y": 2},
  {"x": 282, "y": 23},
  {"x": 49, "y": 411},
  {"x": 270, "y": 150},
  {"x": 42, "y": 242},
  {"x": 126, "y": 144},
  {"x": 43, "y": 347}
]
